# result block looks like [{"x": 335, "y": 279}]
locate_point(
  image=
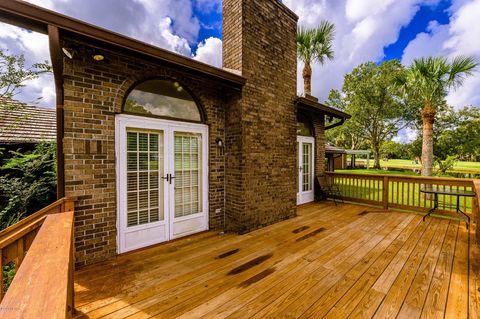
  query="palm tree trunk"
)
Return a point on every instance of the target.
[
  {"x": 428, "y": 117},
  {"x": 307, "y": 78}
]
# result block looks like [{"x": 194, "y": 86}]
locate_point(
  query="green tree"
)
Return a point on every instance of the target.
[
  {"x": 348, "y": 135},
  {"x": 428, "y": 80},
  {"x": 394, "y": 150},
  {"x": 445, "y": 165},
  {"x": 314, "y": 44},
  {"x": 14, "y": 73},
  {"x": 27, "y": 183},
  {"x": 377, "y": 108},
  {"x": 461, "y": 137}
]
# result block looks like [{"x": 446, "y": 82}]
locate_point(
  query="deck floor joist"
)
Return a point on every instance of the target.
[{"x": 342, "y": 261}]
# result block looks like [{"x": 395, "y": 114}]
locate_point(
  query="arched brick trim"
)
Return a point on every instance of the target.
[{"x": 131, "y": 82}]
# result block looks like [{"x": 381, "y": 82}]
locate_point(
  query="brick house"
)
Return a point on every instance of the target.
[{"x": 156, "y": 146}]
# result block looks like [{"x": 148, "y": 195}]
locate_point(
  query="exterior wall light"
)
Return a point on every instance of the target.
[
  {"x": 220, "y": 146},
  {"x": 98, "y": 57},
  {"x": 68, "y": 52}
]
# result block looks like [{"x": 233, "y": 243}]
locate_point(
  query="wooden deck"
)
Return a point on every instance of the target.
[{"x": 333, "y": 262}]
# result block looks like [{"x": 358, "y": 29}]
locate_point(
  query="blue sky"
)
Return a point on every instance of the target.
[
  {"x": 366, "y": 30},
  {"x": 212, "y": 26},
  {"x": 418, "y": 24}
]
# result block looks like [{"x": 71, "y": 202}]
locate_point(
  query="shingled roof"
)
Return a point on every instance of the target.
[{"x": 21, "y": 123}]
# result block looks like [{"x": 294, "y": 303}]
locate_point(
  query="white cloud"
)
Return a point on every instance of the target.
[
  {"x": 169, "y": 24},
  {"x": 140, "y": 19},
  {"x": 363, "y": 29},
  {"x": 427, "y": 43},
  {"x": 34, "y": 46},
  {"x": 210, "y": 52},
  {"x": 459, "y": 37},
  {"x": 406, "y": 135},
  {"x": 172, "y": 42}
]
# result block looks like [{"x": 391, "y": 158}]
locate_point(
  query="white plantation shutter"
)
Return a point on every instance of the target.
[
  {"x": 188, "y": 173},
  {"x": 144, "y": 168},
  {"x": 306, "y": 165}
]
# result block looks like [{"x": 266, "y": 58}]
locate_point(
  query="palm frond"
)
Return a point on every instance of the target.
[
  {"x": 460, "y": 68},
  {"x": 430, "y": 78},
  {"x": 316, "y": 44}
]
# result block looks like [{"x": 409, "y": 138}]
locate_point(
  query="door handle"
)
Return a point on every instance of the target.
[
  {"x": 167, "y": 177},
  {"x": 171, "y": 178}
]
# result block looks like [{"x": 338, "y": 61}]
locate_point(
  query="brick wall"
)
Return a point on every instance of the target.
[
  {"x": 260, "y": 41},
  {"x": 320, "y": 140},
  {"x": 94, "y": 93}
]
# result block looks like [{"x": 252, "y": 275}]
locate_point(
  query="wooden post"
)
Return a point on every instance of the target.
[
  {"x": 20, "y": 253},
  {"x": 1, "y": 275},
  {"x": 476, "y": 188},
  {"x": 385, "y": 192},
  {"x": 69, "y": 205}
]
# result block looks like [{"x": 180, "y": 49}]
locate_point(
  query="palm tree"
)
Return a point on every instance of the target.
[
  {"x": 429, "y": 80},
  {"x": 314, "y": 44}
]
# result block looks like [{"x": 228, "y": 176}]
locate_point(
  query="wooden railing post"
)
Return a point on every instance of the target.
[
  {"x": 476, "y": 187},
  {"x": 1, "y": 275},
  {"x": 385, "y": 192}
]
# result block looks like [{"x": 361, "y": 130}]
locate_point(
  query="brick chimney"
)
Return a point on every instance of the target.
[{"x": 259, "y": 40}]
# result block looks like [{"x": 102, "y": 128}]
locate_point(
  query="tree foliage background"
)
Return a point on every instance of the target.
[
  {"x": 378, "y": 109},
  {"x": 27, "y": 183},
  {"x": 27, "y": 177}
]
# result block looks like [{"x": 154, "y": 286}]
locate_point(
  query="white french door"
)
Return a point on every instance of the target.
[
  {"x": 305, "y": 166},
  {"x": 162, "y": 180}
]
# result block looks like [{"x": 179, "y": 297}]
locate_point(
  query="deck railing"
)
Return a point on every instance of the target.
[
  {"x": 40, "y": 249},
  {"x": 403, "y": 192},
  {"x": 477, "y": 191}
]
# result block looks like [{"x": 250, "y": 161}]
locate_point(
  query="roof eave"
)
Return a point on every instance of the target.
[
  {"x": 38, "y": 19},
  {"x": 310, "y": 105}
]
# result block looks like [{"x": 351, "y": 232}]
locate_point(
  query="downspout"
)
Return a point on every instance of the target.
[{"x": 57, "y": 66}]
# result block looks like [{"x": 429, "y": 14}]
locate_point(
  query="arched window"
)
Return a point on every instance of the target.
[{"x": 162, "y": 98}]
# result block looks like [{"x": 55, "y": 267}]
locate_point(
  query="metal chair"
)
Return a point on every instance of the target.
[{"x": 328, "y": 187}]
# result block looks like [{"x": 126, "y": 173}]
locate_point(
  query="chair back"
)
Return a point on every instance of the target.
[{"x": 323, "y": 181}]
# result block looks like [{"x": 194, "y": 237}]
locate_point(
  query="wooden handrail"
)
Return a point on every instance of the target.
[
  {"x": 17, "y": 240},
  {"x": 42, "y": 286},
  {"x": 427, "y": 178}
]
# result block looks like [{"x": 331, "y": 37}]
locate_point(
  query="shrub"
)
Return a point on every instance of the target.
[{"x": 27, "y": 183}]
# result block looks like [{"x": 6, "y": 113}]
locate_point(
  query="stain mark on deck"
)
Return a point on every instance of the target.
[
  {"x": 249, "y": 264},
  {"x": 311, "y": 234},
  {"x": 257, "y": 277},
  {"x": 365, "y": 212},
  {"x": 300, "y": 229},
  {"x": 228, "y": 253}
]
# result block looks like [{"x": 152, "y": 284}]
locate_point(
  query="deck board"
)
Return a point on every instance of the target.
[{"x": 329, "y": 261}]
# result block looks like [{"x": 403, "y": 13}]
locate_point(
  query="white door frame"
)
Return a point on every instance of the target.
[
  {"x": 122, "y": 123},
  {"x": 307, "y": 196}
]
